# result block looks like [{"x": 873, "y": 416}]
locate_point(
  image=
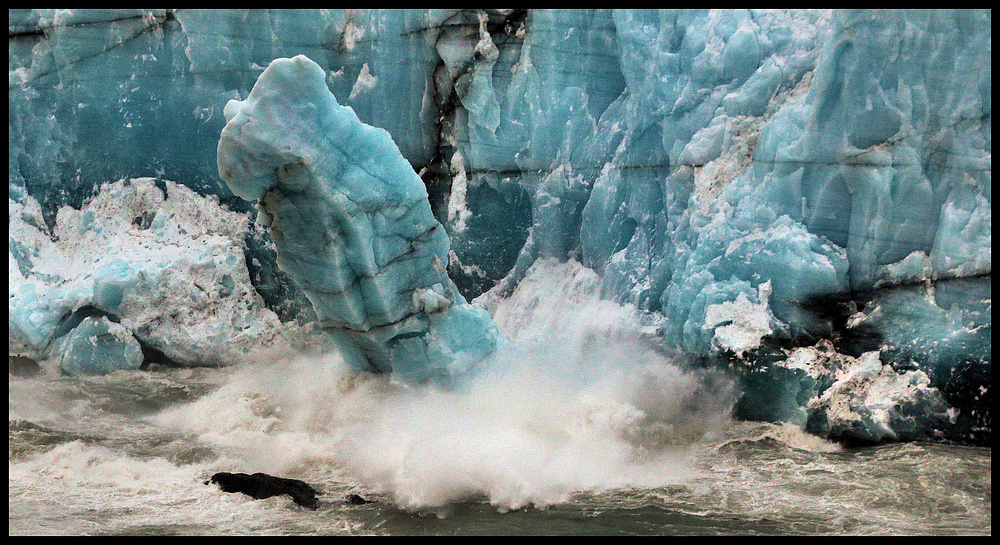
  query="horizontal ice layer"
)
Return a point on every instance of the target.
[
  {"x": 153, "y": 261},
  {"x": 352, "y": 226}
]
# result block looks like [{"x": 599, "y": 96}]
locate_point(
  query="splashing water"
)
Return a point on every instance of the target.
[
  {"x": 584, "y": 406},
  {"x": 587, "y": 428}
]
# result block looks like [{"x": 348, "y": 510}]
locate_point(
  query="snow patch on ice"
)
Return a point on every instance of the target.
[{"x": 741, "y": 325}]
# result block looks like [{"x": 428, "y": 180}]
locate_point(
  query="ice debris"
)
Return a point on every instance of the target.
[
  {"x": 145, "y": 263},
  {"x": 863, "y": 400},
  {"x": 97, "y": 346}
]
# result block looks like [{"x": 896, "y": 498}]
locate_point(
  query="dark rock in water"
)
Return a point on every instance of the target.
[
  {"x": 23, "y": 366},
  {"x": 261, "y": 485},
  {"x": 354, "y": 499}
]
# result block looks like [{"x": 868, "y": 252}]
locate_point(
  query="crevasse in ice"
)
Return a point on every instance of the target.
[{"x": 803, "y": 197}]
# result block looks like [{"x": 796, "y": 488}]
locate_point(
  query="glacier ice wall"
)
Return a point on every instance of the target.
[{"x": 773, "y": 184}]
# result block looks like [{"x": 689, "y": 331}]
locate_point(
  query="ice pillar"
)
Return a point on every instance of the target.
[{"x": 352, "y": 226}]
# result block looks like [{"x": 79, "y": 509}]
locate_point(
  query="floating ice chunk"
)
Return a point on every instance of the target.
[
  {"x": 97, "y": 346},
  {"x": 34, "y": 312},
  {"x": 352, "y": 226}
]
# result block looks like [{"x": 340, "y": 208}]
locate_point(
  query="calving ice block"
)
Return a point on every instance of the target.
[{"x": 352, "y": 226}]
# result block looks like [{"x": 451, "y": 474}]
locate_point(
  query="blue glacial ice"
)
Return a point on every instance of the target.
[
  {"x": 97, "y": 346},
  {"x": 352, "y": 226},
  {"x": 801, "y": 197}
]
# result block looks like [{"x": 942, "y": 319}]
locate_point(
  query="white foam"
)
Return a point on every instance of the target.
[
  {"x": 581, "y": 405},
  {"x": 78, "y": 488}
]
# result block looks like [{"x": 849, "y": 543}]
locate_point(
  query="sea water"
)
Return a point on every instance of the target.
[{"x": 589, "y": 430}]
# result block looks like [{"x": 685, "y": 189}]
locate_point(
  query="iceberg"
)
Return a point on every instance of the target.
[
  {"x": 801, "y": 198},
  {"x": 97, "y": 346}
]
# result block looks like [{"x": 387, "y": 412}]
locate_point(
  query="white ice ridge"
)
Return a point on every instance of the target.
[
  {"x": 141, "y": 264},
  {"x": 352, "y": 226}
]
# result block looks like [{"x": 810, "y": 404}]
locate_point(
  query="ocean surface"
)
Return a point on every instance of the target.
[
  {"x": 129, "y": 454},
  {"x": 584, "y": 428}
]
